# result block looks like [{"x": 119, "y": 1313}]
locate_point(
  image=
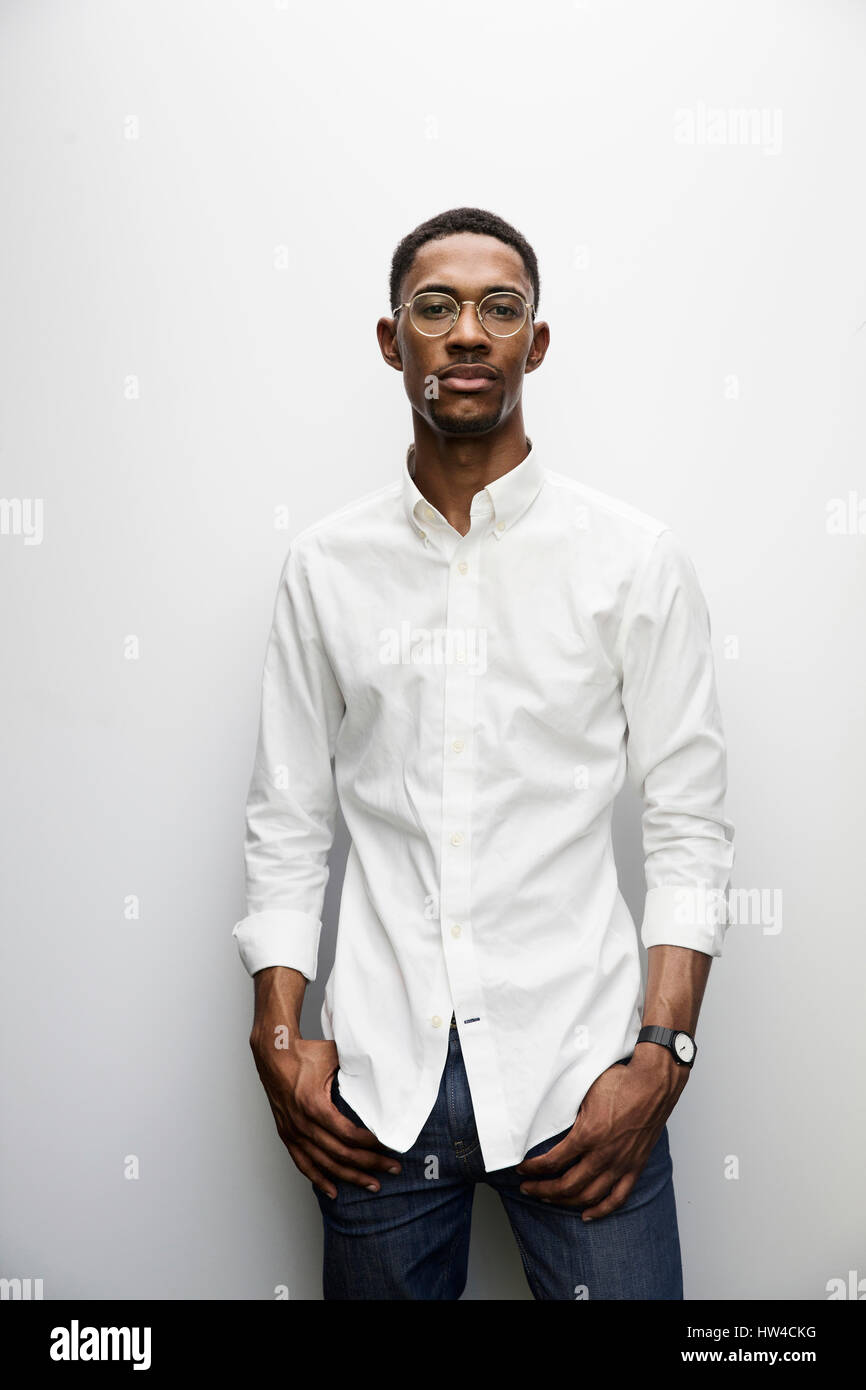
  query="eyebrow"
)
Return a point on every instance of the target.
[{"x": 449, "y": 289}]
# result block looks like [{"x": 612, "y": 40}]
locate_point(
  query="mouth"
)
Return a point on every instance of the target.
[{"x": 463, "y": 377}]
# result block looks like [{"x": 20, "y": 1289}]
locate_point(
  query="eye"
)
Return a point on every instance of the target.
[
  {"x": 431, "y": 307},
  {"x": 504, "y": 309}
]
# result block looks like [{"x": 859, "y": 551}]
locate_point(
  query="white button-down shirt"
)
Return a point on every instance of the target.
[{"x": 483, "y": 698}]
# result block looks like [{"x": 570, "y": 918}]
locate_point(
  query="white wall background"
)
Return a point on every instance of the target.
[{"x": 161, "y": 164}]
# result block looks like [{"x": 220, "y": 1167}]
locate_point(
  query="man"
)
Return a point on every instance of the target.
[{"x": 485, "y": 648}]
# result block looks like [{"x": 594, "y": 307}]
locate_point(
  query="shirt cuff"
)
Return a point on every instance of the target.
[
  {"x": 693, "y": 915},
  {"x": 279, "y": 936}
]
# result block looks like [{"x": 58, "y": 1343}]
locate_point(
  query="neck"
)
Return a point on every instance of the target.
[{"x": 450, "y": 469}]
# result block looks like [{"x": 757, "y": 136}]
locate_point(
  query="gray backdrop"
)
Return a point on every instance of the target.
[{"x": 200, "y": 203}]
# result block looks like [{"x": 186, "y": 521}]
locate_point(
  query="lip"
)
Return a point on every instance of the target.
[{"x": 467, "y": 377}]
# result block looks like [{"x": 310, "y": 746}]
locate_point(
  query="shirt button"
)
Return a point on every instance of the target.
[
  {"x": 457, "y": 838},
  {"x": 463, "y": 567},
  {"x": 500, "y": 525},
  {"x": 458, "y": 745},
  {"x": 436, "y": 1021},
  {"x": 455, "y": 930},
  {"x": 429, "y": 513}
]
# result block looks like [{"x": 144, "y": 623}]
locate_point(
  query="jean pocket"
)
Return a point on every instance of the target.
[
  {"x": 655, "y": 1176},
  {"x": 343, "y": 1105},
  {"x": 545, "y": 1145}
]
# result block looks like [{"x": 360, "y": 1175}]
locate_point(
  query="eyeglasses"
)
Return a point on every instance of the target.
[{"x": 434, "y": 314}]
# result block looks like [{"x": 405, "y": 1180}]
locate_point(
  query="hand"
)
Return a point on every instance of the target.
[
  {"x": 619, "y": 1121},
  {"x": 324, "y": 1144}
]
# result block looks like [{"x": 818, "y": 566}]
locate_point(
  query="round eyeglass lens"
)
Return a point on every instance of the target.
[
  {"x": 502, "y": 314},
  {"x": 434, "y": 313}
]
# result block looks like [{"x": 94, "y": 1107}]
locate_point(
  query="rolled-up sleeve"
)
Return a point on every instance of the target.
[
  {"x": 292, "y": 800},
  {"x": 676, "y": 752}
]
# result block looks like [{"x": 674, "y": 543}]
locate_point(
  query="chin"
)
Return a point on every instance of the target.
[{"x": 469, "y": 424}]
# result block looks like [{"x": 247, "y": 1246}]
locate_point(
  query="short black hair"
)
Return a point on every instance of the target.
[{"x": 460, "y": 220}]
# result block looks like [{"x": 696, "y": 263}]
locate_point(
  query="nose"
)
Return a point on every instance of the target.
[{"x": 467, "y": 332}]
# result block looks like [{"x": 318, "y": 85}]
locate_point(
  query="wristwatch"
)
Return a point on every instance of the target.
[{"x": 682, "y": 1045}]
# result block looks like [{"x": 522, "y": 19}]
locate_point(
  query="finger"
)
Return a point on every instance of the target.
[
  {"x": 309, "y": 1170},
  {"x": 333, "y": 1121},
  {"x": 570, "y": 1186},
  {"x": 614, "y": 1199},
  {"x": 559, "y": 1197},
  {"x": 588, "y": 1193},
  {"x": 346, "y": 1171},
  {"x": 563, "y": 1153},
  {"x": 361, "y": 1155}
]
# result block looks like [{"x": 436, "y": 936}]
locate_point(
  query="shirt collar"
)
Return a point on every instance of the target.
[{"x": 504, "y": 500}]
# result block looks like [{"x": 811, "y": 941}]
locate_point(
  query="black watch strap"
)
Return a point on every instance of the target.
[{"x": 654, "y": 1033}]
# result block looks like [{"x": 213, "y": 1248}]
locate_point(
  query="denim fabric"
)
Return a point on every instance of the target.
[{"x": 411, "y": 1239}]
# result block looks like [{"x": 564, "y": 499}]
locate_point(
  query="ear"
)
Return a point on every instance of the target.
[{"x": 386, "y": 332}]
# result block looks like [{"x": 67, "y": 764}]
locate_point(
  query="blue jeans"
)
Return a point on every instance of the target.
[{"x": 410, "y": 1240}]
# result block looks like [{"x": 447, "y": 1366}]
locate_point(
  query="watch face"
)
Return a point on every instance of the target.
[{"x": 684, "y": 1047}]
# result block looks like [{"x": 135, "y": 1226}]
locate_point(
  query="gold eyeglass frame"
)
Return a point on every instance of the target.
[{"x": 497, "y": 294}]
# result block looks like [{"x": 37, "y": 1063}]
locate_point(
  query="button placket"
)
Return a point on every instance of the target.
[
  {"x": 458, "y": 769},
  {"x": 463, "y": 698}
]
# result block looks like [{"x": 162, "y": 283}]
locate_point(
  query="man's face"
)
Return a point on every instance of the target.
[{"x": 467, "y": 266}]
